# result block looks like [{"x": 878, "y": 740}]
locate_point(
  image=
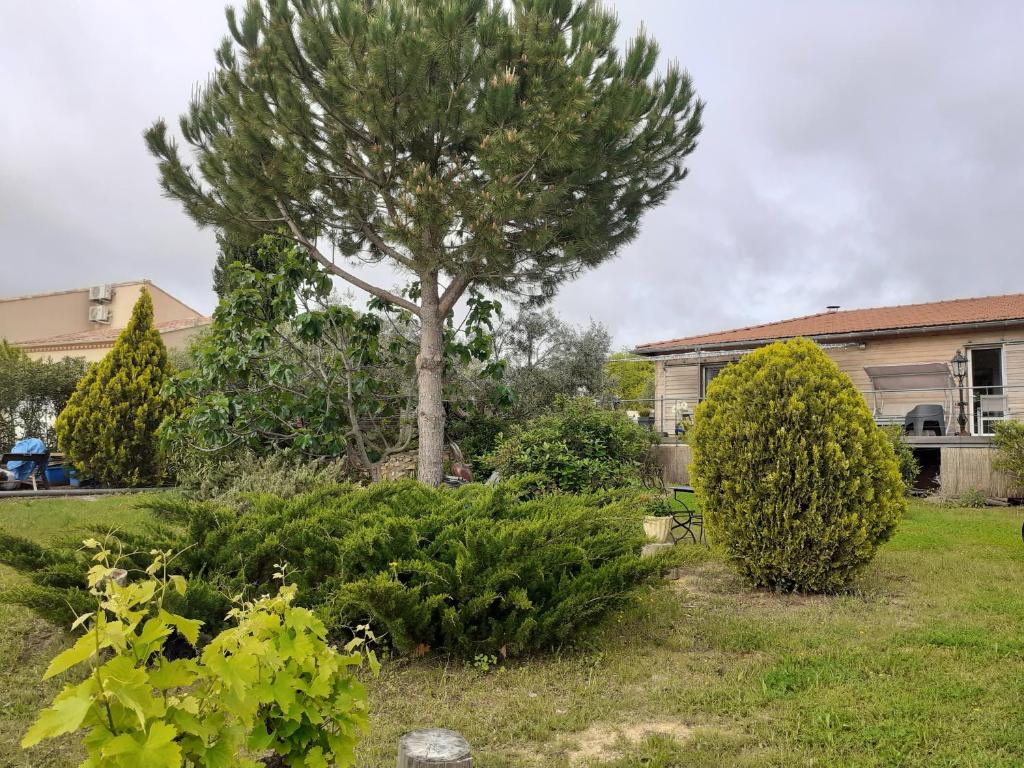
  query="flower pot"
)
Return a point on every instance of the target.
[{"x": 658, "y": 529}]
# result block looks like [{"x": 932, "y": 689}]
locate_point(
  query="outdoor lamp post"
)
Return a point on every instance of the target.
[{"x": 959, "y": 365}]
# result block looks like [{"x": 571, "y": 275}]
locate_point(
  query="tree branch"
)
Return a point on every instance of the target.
[
  {"x": 453, "y": 293},
  {"x": 383, "y": 247},
  {"x": 358, "y": 282}
]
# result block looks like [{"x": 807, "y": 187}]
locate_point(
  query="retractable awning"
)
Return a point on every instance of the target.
[{"x": 892, "y": 378}]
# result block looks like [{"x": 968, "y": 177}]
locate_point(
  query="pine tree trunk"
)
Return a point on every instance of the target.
[{"x": 429, "y": 370}]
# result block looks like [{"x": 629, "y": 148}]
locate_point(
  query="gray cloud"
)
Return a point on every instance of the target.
[{"x": 854, "y": 153}]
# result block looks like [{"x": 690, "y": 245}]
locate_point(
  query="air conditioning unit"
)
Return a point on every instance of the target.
[
  {"x": 100, "y": 314},
  {"x": 101, "y": 293}
]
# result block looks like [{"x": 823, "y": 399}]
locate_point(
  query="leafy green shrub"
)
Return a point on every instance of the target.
[
  {"x": 472, "y": 570},
  {"x": 270, "y": 683},
  {"x": 477, "y": 436},
  {"x": 1009, "y": 441},
  {"x": 283, "y": 473},
  {"x": 32, "y": 393},
  {"x": 286, "y": 367},
  {"x": 972, "y": 498},
  {"x": 108, "y": 428},
  {"x": 577, "y": 448},
  {"x": 910, "y": 467},
  {"x": 795, "y": 479}
]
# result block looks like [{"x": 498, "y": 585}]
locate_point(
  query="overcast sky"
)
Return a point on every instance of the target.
[{"x": 854, "y": 153}]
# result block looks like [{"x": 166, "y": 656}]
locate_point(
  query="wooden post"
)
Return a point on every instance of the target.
[{"x": 434, "y": 748}]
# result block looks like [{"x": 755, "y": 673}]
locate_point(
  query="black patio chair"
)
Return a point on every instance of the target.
[{"x": 688, "y": 523}]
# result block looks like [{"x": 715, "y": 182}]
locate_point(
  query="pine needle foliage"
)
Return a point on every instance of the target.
[
  {"x": 108, "y": 428},
  {"x": 467, "y": 571},
  {"x": 480, "y": 144},
  {"x": 54, "y": 584},
  {"x": 795, "y": 479}
]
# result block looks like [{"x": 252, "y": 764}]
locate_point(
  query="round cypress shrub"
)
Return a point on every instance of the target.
[{"x": 795, "y": 479}]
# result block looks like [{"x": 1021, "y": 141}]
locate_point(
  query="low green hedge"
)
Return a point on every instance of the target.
[{"x": 469, "y": 571}]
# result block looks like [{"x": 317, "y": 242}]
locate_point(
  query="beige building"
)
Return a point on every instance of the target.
[
  {"x": 85, "y": 322},
  {"x": 948, "y": 371}
]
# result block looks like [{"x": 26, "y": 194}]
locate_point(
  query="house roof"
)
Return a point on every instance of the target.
[
  {"x": 123, "y": 284},
  {"x": 936, "y": 314},
  {"x": 25, "y": 296},
  {"x": 107, "y": 335}
]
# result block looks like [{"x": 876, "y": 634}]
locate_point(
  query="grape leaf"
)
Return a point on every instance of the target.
[{"x": 67, "y": 714}]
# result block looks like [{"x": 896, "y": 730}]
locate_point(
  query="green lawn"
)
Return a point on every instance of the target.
[{"x": 922, "y": 666}]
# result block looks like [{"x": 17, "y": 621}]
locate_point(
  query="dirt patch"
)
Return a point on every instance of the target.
[
  {"x": 706, "y": 580},
  {"x": 34, "y": 640},
  {"x": 601, "y": 741},
  {"x": 715, "y": 579}
]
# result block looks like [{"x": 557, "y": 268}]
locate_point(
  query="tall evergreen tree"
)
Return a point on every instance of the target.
[
  {"x": 108, "y": 428},
  {"x": 501, "y": 145}
]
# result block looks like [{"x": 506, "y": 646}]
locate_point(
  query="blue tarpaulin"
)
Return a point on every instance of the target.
[{"x": 22, "y": 469}]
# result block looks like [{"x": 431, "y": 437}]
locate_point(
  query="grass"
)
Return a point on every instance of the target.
[
  {"x": 922, "y": 665},
  {"x": 26, "y": 642}
]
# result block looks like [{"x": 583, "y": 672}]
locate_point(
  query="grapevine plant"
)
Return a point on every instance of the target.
[{"x": 269, "y": 683}]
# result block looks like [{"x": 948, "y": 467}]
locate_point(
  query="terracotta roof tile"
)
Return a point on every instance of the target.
[
  {"x": 852, "y": 321},
  {"x": 106, "y": 333}
]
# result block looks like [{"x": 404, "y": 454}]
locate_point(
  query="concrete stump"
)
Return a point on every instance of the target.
[
  {"x": 434, "y": 748},
  {"x": 650, "y": 550}
]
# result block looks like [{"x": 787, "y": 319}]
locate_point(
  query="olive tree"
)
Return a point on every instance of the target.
[{"x": 505, "y": 146}]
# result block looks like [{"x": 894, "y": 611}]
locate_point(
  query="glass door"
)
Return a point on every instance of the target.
[{"x": 987, "y": 400}]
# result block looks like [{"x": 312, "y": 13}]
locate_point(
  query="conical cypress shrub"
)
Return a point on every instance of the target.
[
  {"x": 793, "y": 476},
  {"x": 108, "y": 428}
]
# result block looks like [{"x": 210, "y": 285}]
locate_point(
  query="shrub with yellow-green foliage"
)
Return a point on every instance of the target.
[
  {"x": 108, "y": 428},
  {"x": 794, "y": 477},
  {"x": 268, "y": 685},
  {"x": 1009, "y": 441}
]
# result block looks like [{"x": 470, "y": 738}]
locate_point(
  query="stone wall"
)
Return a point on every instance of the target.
[{"x": 398, "y": 466}]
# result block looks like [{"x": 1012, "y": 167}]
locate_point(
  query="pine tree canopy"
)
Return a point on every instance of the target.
[
  {"x": 511, "y": 147},
  {"x": 506, "y": 145},
  {"x": 267, "y": 254}
]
